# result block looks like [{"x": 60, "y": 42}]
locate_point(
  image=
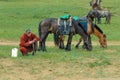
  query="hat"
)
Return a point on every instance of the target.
[{"x": 28, "y": 30}]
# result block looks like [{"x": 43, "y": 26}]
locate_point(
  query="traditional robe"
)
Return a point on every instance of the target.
[{"x": 25, "y": 47}]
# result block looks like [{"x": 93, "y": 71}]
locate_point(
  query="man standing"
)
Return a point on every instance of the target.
[{"x": 27, "y": 42}]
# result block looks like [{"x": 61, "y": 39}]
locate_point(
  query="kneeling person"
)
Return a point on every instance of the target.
[{"x": 27, "y": 42}]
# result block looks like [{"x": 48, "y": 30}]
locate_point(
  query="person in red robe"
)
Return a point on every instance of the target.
[{"x": 26, "y": 42}]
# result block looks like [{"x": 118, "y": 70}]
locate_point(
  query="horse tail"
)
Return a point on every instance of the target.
[
  {"x": 39, "y": 29},
  {"x": 56, "y": 39}
]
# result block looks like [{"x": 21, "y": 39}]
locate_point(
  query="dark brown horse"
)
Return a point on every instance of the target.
[{"x": 50, "y": 25}]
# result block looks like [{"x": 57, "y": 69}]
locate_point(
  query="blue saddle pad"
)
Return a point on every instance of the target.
[
  {"x": 83, "y": 21},
  {"x": 64, "y": 27},
  {"x": 84, "y": 24}
]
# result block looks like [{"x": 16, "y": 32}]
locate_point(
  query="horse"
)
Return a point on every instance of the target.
[
  {"x": 95, "y": 4},
  {"x": 50, "y": 25},
  {"x": 94, "y": 29},
  {"x": 98, "y": 14}
]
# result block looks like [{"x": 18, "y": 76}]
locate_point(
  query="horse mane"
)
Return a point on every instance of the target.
[{"x": 98, "y": 28}]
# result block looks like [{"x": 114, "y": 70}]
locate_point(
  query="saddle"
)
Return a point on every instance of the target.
[{"x": 64, "y": 23}]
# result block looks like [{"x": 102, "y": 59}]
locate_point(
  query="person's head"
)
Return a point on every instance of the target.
[{"x": 28, "y": 32}]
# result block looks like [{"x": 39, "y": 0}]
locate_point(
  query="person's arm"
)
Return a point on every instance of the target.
[{"x": 35, "y": 38}]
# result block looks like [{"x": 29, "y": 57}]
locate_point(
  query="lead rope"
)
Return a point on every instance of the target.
[
  {"x": 70, "y": 21},
  {"x": 58, "y": 22},
  {"x": 64, "y": 25}
]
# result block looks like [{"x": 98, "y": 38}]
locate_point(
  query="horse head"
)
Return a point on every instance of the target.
[
  {"x": 91, "y": 14},
  {"x": 103, "y": 41}
]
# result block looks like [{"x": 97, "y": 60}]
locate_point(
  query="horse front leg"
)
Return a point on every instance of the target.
[
  {"x": 68, "y": 46},
  {"x": 99, "y": 20},
  {"x": 87, "y": 44},
  {"x": 77, "y": 45}
]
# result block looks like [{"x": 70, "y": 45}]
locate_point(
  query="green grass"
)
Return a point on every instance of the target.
[
  {"x": 75, "y": 62},
  {"x": 16, "y": 16}
]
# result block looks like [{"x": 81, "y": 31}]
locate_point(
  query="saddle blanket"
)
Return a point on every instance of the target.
[
  {"x": 83, "y": 21},
  {"x": 64, "y": 27}
]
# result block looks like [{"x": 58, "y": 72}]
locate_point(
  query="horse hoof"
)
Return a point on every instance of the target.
[
  {"x": 61, "y": 47},
  {"x": 67, "y": 49},
  {"x": 84, "y": 47},
  {"x": 39, "y": 49},
  {"x": 76, "y": 46},
  {"x": 33, "y": 54}
]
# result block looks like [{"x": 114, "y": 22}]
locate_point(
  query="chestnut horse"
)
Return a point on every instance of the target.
[
  {"x": 94, "y": 29},
  {"x": 50, "y": 25}
]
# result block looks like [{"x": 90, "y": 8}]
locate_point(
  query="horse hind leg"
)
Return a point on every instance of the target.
[
  {"x": 61, "y": 46},
  {"x": 42, "y": 45},
  {"x": 77, "y": 45}
]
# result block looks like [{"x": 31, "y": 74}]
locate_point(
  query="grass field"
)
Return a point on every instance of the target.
[{"x": 56, "y": 64}]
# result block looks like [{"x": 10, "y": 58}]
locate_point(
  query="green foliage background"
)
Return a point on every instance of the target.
[{"x": 17, "y": 15}]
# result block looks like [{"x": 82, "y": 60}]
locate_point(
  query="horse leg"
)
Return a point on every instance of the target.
[
  {"x": 43, "y": 46},
  {"x": 77, "y": 45},
  {"x": 42, "y": 42},
  {"x": 62, "y": 42},
  {"x": 40, "y": 46},
  {"x": 99, "y": 20},
  {"x": 88, "y": 47},
  {"x": 107, "y": 19},
  {"x": 68, "y": 46}
]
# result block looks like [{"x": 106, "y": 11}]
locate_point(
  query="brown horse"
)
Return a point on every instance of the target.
[
  {"x": 95, "y": 4},
  {"x": 94, "y": 29},
  {"x": 50, "y": 25}
]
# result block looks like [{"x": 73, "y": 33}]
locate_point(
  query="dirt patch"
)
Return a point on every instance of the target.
[
  {"x": 51, "y": 43},
  {"x": 11, "y": 69}
]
